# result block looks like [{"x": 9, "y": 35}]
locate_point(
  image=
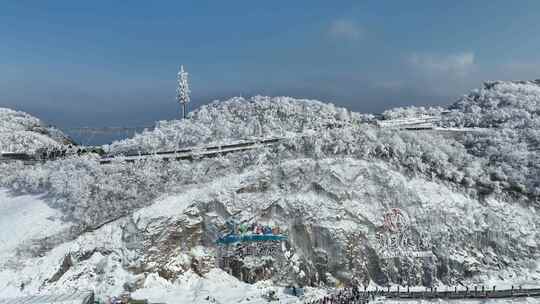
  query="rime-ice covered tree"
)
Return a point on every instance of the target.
[{"x": 183, "y": 91}]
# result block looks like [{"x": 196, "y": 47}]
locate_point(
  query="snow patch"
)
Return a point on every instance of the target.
[{"x": 23, "y": 219}]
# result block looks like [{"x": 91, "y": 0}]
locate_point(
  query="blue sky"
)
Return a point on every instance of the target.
[{"x": 90, "y": 63}]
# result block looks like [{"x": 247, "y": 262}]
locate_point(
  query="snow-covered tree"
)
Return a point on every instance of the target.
[
  {"x": 183, "y": 91},
  {"x": 21, "y": 132}
]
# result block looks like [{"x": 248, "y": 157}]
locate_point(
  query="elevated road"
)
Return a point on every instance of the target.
[
  {"x": 194, "y": 152},
  {"x": 427, "y": 123},
  {"x": 350, "y": 295},
  {"x": 189, "y": 153},
  {"x": 475, "y": 293}
]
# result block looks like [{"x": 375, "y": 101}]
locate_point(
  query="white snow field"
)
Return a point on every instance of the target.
[
  {"x": 23, "y": 219},
  {"x": 217, "y": 287},
  {"x": 83, "y": 297},
  {"x": 149, "y": 227}
]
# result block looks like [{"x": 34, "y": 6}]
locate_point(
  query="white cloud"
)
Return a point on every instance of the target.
[
  {"x": 346, "y": 29},
  {"x": 459, "y": 64}
]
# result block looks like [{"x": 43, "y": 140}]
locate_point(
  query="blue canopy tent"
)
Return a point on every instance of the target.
[{"x": 236, "y": 238}]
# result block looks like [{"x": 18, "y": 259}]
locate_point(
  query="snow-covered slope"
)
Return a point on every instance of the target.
[
  {"x": 151, "y": 226},
  {"x": 502, "y": 104},
  {"x": 21, "y": 132},
  {"x": 508, "y": 113},
  {"x": 320, "y": 203}
]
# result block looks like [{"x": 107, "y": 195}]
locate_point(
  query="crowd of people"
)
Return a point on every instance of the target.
[
  {"x": 254, "y": 228},
  {"x": 344, "y": 296},
  {"x": 122, "y": 299}
]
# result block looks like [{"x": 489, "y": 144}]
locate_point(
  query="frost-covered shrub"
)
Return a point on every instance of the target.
[
  {"x": 497, "y": 161},
  {"x": 90, "y": 194}
]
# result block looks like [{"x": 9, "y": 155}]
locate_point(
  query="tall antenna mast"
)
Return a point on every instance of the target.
[{"x": 183, "y": 91}]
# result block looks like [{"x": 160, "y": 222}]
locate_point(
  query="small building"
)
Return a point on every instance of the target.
[{"x": 77, "y": 297}]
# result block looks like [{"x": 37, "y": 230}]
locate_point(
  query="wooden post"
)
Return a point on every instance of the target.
[{"x": 475, "y": 291}]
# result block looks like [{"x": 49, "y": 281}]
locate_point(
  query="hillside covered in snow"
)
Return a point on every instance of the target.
[
  {"x": 21, "y": 132},
  {"x": 500, "y": 104},
  {"x": 238, "y": 118},
  {"x": 470, "y": 200}
]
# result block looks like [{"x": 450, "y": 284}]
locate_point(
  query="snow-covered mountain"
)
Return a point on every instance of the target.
[
  {"x": 238, "y": 119},
  {"x": 21, "y": 132},
  {"x": 470, "y": 201}
]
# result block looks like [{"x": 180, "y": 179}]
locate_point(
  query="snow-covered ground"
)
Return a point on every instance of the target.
[
  {"x": 216, "y": 287},
  {"x": 23, "y": 219}
]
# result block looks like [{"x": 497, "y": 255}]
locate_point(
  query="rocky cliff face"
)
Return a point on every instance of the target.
[{"x": 331, "y": 210}]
